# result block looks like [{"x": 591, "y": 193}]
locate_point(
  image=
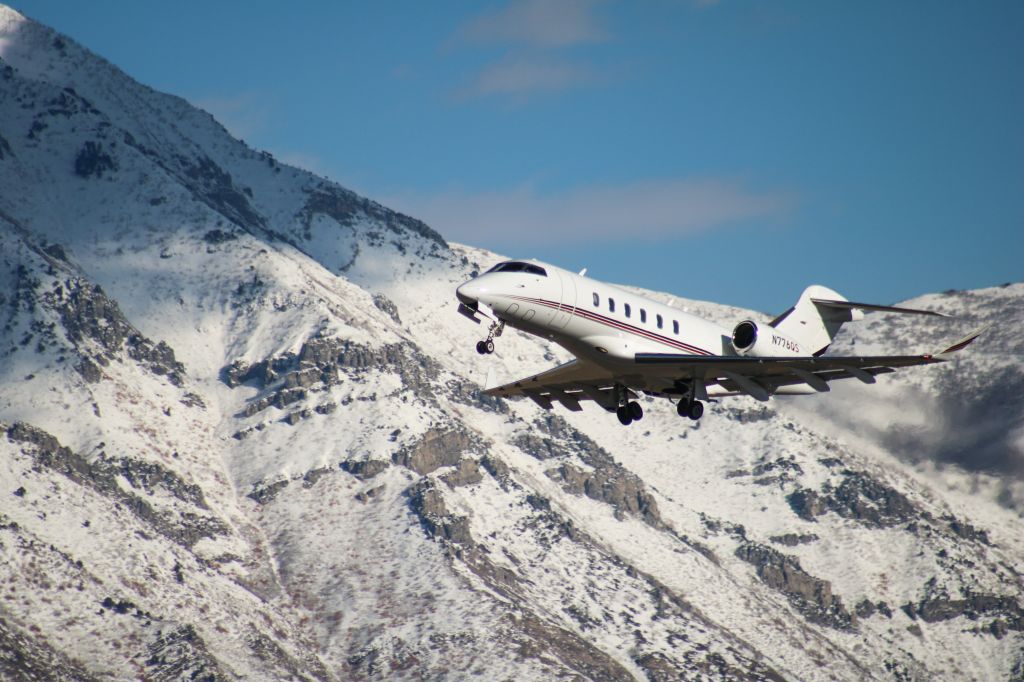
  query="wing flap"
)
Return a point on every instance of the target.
[{"x": 568, "y": 379}]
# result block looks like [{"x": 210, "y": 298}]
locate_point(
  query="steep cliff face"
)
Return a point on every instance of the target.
[{"x": 241, "y": 438}]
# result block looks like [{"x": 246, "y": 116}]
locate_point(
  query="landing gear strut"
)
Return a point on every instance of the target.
[
  {"x": 486, "y": 346},
  {"x": 628, "y": 411}
]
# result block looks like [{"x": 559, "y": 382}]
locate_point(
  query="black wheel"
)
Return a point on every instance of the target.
[
  {"x": 696, "y": 410},
  {"x": 623, "y": 413},
  {"x": 635, "y": 411},
  {"x": 489, "y": 346},
  {"x": 683, "y": 408},
  {"x": 481, "y": 347}
]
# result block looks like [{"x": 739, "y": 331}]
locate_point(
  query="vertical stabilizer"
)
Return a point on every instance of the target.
[{"x": 812, "y": 324}]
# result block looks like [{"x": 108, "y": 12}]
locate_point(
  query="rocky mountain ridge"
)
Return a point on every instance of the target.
[{"x": 242, "y": 438}]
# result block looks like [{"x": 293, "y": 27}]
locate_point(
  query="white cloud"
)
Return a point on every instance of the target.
[
  {"x": 540, "y": 23},
  {"x": 538, "y": 35},
  {"x": 650, "y": 210},
  {"x": 520, "y": 76}
]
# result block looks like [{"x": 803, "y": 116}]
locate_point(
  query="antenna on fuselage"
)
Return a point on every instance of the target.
[{"x": 583, "y": 272}]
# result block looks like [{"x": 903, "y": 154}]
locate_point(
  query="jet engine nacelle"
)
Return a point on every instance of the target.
[{"x": 753, "y": 341}]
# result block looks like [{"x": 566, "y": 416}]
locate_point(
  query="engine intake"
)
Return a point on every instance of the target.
[
  {"x": 750, "y": 340},
  {"x": 744, "y": 336}
]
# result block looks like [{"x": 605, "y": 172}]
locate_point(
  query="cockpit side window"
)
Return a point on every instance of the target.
[{"x": 517, "y": 266}]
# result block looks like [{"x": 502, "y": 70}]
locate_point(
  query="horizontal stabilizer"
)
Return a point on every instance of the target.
[{"x": 850, "y": 305}]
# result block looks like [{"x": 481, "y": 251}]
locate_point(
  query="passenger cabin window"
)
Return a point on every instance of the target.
[
  {"x": 516, "y": 266},
  {"x": 597, "y": 300},
  {"x": 611, "y": 305},
  {"x": 626, "y": 309},
  {"x": 643, "y": 315},
  {"x": 675, "y": 327},
  {"x": 658, "y": 319}
]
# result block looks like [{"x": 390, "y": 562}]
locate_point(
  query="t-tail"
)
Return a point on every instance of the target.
[{"x": 819, "y": 314}]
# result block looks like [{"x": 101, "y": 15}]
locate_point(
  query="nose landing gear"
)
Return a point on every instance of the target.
[{"x": 486, "y": 346}]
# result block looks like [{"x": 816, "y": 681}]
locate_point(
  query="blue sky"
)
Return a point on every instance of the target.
[{"x": 729, "y": 151}]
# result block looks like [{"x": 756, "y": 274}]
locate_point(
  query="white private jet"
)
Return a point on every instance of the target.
[{"x": 625, "y": 343}]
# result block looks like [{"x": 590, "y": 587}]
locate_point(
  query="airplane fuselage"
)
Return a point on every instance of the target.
[{"x": 595, "y": 321}]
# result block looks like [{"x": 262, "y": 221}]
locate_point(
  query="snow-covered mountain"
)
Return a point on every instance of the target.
[{"x": 243, "y": 439}]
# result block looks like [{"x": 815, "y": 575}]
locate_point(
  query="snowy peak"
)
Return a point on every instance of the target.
[
  {"x": 242, "y": 437},
  {"x": 157, "y": 148}
]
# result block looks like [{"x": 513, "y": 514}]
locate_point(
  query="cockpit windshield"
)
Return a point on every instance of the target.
[{"x": 517, "y": 266}]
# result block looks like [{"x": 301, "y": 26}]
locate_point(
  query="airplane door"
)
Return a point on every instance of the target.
[{"x": 568, "y": 301}]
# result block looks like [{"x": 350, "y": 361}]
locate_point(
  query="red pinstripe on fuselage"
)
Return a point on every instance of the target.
[{"x": 615, "y": 324}]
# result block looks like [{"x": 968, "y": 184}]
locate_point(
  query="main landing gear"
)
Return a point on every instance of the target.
[
  {"x": 693, "y": 409},
  {"x": 688, "y": 405},
  {"x": 486, "y": 346},
  {"x": 628, "y": 411}
]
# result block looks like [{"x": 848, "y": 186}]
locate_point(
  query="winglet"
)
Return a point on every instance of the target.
[
  {"x": 962, "y": 343},
  {"x": 491, "y": 381}
]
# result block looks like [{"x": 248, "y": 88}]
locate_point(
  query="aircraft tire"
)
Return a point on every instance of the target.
[
  {"x": 635, "y": 411},
  {"x": 683, "y": 408},
  {"x": 696, "y": 410},
  {"x": 624, "y": 415},
  {"x": 489, "y": 346},
  {"x": 481, "y": 347}
]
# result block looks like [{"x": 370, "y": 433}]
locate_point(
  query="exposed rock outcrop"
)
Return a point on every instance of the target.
[
  {"x": 811, "y": 596},
  {"x": 467, "y": 472},
  {"x": 86, "y": 313},
  {"x": 28, "y": 657},
  {"x": 93, "y": 160},
  {"x": 348, "y": 208},
  {"x": 437, "y": 448},
  {"x": 180, "y": 654},
  {"x": 612, "y": 485},
  {"x": 184, "y": 527},
  {"x": 364, "y": 469},
  {"x": 858, "y": 497},
  {"x": 1005, "y": 612},
  {"x": 794, "y": 539},
  {"x": 427, "y": 503},
  {"x": 388, "y": 306}
]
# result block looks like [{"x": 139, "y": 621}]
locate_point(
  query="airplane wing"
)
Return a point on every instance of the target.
[
  {"x": 568, "y": 384},
  {"x": 576, "y": 380}
]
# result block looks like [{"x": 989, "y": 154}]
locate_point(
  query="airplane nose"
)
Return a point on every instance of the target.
[{"x": 469, "y": 293}]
